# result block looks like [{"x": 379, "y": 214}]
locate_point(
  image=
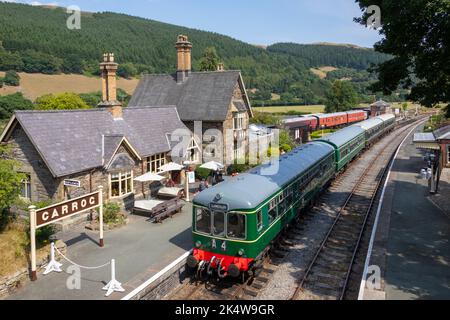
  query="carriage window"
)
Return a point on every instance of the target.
[
  {"x": 272, "y": 211},
  {"x": 219, "y": 223},
  {"x": 259, "y": 218},
  {"x": 236, "y": 225},
  {"x": 203, "y": 222}
]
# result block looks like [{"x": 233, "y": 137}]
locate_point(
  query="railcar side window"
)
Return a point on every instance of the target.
[
  {"x": 272, "y": 211},
  {"x": 259, "y": 217},
  {"x": 219, "y": 223},
  {"x": 203, "y": 222},
  {"x": 236, "y": 225}
]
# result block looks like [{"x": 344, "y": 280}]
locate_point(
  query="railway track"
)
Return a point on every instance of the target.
[
  {"x": 348, "y": 205},
  {"x": 327, "y": 275}
]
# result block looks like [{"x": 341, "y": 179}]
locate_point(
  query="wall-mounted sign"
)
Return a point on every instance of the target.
[
  {"x": 72, "y": 183},
  {"x": 66, "y": 209},
  {"x": 191, "y": 177}
]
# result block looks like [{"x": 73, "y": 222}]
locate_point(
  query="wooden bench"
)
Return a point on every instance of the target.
[{"x": 166, "y": 210}]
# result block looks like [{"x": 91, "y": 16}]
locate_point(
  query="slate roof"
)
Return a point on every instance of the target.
[
  {"x": 202, "y": 96},
  {"x": 248, "y": 190},
  {"x": 442, "y": 133},
  {"x": 71, "y": 141}
]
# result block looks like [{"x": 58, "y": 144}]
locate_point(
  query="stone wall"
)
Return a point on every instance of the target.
[
  {"x": 43, "y": 185},
  {"x": 165, "y": 284}
]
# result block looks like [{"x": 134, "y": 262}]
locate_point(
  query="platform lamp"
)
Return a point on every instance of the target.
[{"x": 186, "y": 165}]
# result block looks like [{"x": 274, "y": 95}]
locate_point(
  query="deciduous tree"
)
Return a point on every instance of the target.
[
  {"x": 64, "y": 101},
  {"x": 341, "y": 97},
  {"x": 417, "y": 34}
]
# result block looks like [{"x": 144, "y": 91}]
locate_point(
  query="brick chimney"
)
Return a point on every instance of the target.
[
  {"x": 109, "y": 87},
  {"x": 184, "y": 64}
]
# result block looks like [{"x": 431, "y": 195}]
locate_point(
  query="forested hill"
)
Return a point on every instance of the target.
[
  {"x": 37, "y": 40},
  {"x": 339, "y": 56}
]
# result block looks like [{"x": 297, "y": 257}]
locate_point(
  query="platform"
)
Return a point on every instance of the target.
[
  {"x": 411, "y": 244},
  {"x": 141, "y": 250}
]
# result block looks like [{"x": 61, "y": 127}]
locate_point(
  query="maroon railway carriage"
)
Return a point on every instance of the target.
[
  {"x": 356, "y": 116},
  {"x": 331, "y": 120}
]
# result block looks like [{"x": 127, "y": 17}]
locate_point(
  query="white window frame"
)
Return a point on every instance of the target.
[
  {"x": 123, "y": 175},
  {"x": 26, "y": 186},
  {"x": 238, "y": 121},
  {"x": 448, "y": 153},
  {"x": 158, "y": 160},
  {"x": 297, "y": 134},
  {"x": 193, "y": 146}
]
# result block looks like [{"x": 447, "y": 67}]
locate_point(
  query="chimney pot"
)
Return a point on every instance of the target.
[
  {"x": 109, "y": 86},
  {"x": 184, "y": 60}
]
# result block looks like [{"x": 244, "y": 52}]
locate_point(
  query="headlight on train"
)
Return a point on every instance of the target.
[
  {"x": 241, "y": 252},
  {"x": 198, "y": 244}
]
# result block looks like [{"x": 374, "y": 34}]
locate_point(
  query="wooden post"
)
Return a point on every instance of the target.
[
  {"x": 186, "y": 178},
  {"x": 33, "y": 241},
  {"x": 100, "y": 211}
]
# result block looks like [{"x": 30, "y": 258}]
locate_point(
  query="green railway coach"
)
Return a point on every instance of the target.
[
  {"x": 347, "y": 143},
  {"x": 236, "y": 220}
]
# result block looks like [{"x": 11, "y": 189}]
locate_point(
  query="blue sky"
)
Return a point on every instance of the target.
[{"x": 254, "y": 21}]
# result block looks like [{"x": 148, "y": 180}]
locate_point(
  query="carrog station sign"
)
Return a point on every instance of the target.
[{"x": 66, "y": 209}]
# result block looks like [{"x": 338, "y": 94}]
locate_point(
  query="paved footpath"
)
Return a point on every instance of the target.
[
  {"x": 141, "y": 249},
  {"x": 412, "y": 240}
]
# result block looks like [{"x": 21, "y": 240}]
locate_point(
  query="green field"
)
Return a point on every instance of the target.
[{"x": 318, "y": 108}]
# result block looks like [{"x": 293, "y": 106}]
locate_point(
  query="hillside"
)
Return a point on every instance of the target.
[
  {"x": 36, "y": 40},
  {"x": 328, "y": 54},
  {"x": 34, "y": 85}
]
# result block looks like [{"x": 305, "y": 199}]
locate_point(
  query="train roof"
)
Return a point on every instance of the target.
[
  {"x": 355, "y": 111},
  {"x": 386, "y": 117},
  {"x": 369, "y": 124},
  {"x": 248, "y": 190},
  {"x": 335, "y": 114},
  {"x": 341, "y": 137},
  {"x": 298, "y": 119}
]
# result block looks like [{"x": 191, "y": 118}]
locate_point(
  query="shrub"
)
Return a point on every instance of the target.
[
  {"x": 11, "y": 79},
  {"x": 111, "y": 213},
  {"x": 202, "y": 173}
]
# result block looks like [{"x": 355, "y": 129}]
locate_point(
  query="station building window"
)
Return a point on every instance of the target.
[
  {"x": 121, "y": 184},
  {"x": 155, "y": 162},
  {"x": 25, "y": 191}
]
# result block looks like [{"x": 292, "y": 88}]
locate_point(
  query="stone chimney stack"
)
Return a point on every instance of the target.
[
  {"x": 220, "y": 67},
  {"x": 184, "y": 62},
  {"x": 109, "y": 86}
]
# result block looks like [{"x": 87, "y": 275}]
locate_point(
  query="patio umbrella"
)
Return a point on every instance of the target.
[
  {"x": 172, "y": 166},
  {"x": 149, "y": 177},
  {"x": 212, "y": 165}
]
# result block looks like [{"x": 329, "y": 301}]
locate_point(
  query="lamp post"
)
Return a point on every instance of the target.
[{"x": 186, "y": 180}]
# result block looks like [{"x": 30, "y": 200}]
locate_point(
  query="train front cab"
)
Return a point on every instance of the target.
[{"x": 223, "y": 241}]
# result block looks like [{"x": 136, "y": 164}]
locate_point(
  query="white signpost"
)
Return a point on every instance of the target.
[{"x": 43, "y": 217}]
